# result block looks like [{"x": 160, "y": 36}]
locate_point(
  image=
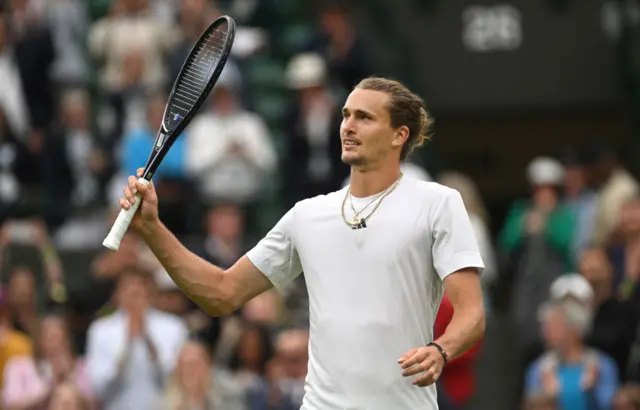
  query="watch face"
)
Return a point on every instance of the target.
[{"x": 517, "y": 54}]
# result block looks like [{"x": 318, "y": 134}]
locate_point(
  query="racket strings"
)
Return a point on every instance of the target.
[{"x": 197, "y": 72}]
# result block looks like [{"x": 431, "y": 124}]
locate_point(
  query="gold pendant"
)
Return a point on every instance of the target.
[{"x": 356, "y": 220}]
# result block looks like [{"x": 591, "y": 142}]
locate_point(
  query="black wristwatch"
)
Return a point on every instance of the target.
[{"x": 442, "y": 352}]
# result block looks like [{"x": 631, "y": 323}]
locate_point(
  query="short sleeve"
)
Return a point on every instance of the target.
[
  {"x": 276, "y": 255},
  {"x": 454, "y": 243}
]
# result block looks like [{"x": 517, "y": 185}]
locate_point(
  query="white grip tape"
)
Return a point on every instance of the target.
[{"x": 120, "y": 226}]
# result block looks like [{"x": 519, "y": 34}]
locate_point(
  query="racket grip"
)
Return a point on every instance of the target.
[{"x": 120, "y": 226}]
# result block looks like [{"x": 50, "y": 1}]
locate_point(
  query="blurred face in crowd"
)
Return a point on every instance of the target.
[
  {"x": 76, "y": 111},
  {"x": 334, "y": 22},
  {"x": 366, "y": 133},
  {"x": 629, "y": 219},
  {"x": 133, "y": 292},
  {"x": 292, "y": 353},
  {"x": 22, "y": 287},
  {"x": 53, "y": 336},
  {"x": 574, "y": 180},
  {"x": 251, "y": 351},
  {"x": 596, "y": 269},
  {"x": 194, "y": 365},
  {"x": 225, "y": 222},
  {"x": 557, "y": 333},
  {"x": 263, "y": 309},
  {"x": 545, "y": 197},
  {"x": 224, "y": 100},
  {"x": 66, "y": 397}
]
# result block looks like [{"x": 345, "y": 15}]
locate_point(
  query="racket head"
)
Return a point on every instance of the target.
[
  {"x": 197, "y": 77},
  {"x": 198, "y": 74}
]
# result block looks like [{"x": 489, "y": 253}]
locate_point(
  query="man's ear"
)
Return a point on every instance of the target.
[{"x": 401, "y": 136}]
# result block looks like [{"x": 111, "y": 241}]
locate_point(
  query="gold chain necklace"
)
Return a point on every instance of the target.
[
  {"x": 357, "y": 213},
  {"x": 357, "y": 220}
]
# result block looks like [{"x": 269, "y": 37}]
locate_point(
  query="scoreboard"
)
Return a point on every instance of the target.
[{"x": 518, "y": 54}]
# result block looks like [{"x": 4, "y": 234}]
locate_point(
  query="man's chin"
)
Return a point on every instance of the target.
[{"x": 351, "y": 159}]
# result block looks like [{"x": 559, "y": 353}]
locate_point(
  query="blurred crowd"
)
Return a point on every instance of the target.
[{"x": 84, "y": 84}]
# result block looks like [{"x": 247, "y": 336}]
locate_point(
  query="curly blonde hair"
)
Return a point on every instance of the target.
[{"x": 405, "y": 108}]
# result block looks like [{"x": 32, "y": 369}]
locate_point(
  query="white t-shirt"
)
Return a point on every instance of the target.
[{"x": 373, "y": 292}]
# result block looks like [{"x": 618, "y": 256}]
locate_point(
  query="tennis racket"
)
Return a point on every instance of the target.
[{"x": 195, "y": 81}]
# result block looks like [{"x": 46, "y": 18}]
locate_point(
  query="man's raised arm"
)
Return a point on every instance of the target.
[{"x": 216, "y": 291}]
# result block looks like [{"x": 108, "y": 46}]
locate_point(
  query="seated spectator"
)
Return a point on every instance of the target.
[
  {"x": 22, "y": 299},
  {"x": 614, "y": 323},
  {"x": 131, "y": 353},
  {"x": 283, "y": 386},
  {"x": 580, "y": 378},
  {"x": 249, "y": 359},
  {"x": 195, "y": 385},
  {"x": 233, "y": 166},
  {"x": 625, "y": 253},
  {"x": 31, "y": 381},
  {"x": 536, "y": 241},
  {"x": 14, "y": 344},
  {"x": 613, "y": 184},
  {"x": 627, "y": 398}
]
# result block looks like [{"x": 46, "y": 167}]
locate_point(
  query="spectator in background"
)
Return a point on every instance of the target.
[
  {"x": 225, "y": 235},
  {"x": 18, "y": 170},
  {"x": 230, "y": 152},
  {"x": 314, "y": 166},
  {"x": 537, "y": 239},
  {"x": 77, "y": 170},
  {"x": 249, "y": 359},
  {"x": 283, "y": 386},
  {"x": 34, "y": 53},
  {"x": 12, "y": 343},
  {"x": 13, "y": 103},
  {"x": 627, "y": 398},
  {"x": 342, "y": 47},
  {"x": 458, "y": 379},
  {"x": 68, "y": 22},
  {"x": 624, "y": 253},
  {"x": 130, "y": 45},
  {"x": 32, "y": 382},
  {"x": 614, "y": 185},
  {"x": 579, "y": 378},
  {"x": 131, "y": 353},
  {"x": 23, "y": 300},
  {"x": 614, "y": 323},
  {"x": 581, "y": 200},
  {"x": 195, "y": 386}
]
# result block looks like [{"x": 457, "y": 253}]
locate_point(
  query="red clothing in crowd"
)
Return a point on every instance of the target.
[{"x": 458, "y": 377}]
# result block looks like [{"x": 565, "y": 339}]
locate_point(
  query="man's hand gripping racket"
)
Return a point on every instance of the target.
[{"x": 197, "y": 77}]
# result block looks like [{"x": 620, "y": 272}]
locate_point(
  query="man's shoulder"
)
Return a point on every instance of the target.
[
  {"x": 320, "y": 201},
  {"x": 428, "y": 192}
]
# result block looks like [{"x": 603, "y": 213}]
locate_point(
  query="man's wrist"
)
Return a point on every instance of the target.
[{"x": 442, "y": 351}]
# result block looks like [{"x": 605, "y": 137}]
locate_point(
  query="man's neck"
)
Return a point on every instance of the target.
[{"x": 365, "y": 183}]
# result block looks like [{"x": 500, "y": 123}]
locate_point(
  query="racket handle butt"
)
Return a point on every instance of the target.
[{"x": 120, "y": 226}]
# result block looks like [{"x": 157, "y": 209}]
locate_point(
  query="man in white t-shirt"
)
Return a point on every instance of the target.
[{"x": 377, "y": 256}]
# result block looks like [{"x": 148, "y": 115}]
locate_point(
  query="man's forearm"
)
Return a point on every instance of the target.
[
  {"x": 197, "y": 278},
  {"x": 465, "y": 329}
]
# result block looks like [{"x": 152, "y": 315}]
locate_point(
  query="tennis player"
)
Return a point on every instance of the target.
[{"x": 377, "y": 256}]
